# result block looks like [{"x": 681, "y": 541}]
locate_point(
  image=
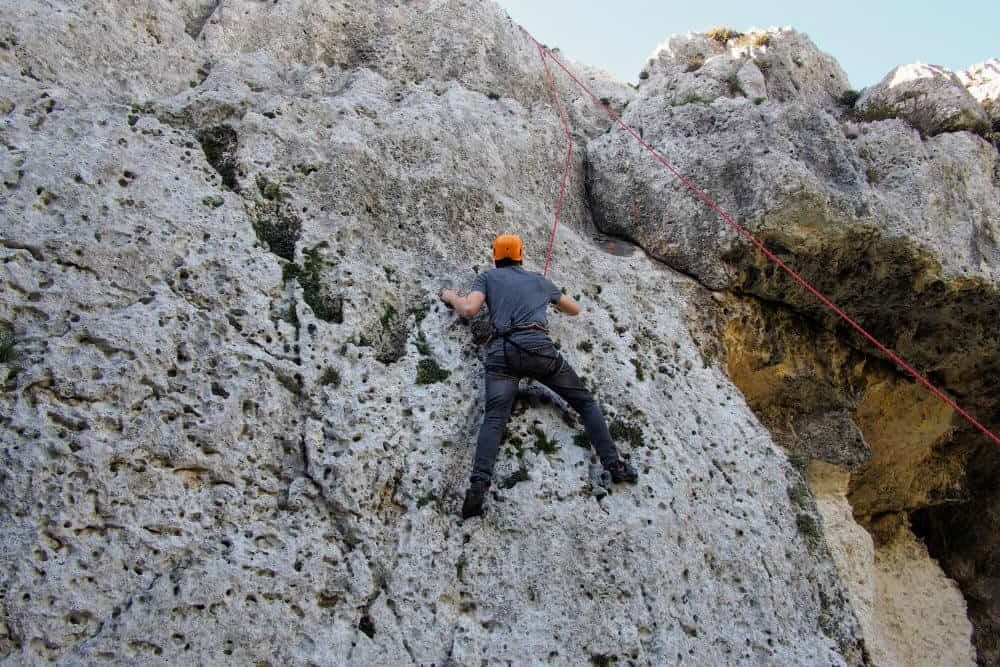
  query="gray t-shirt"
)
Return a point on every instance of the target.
[{"x": 516, "y": 296}]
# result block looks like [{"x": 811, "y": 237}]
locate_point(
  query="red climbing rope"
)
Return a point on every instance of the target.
[
  {"x": 569, "y": 155},
  {"x": 741, "y": 230}
]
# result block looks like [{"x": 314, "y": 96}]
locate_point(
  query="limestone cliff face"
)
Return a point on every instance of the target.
[
  {"x": 236, "y": 423},
  {"x": 890, "y": 204}
]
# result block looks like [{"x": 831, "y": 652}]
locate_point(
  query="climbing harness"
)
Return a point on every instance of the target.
[
  {"x": 507, "y": 336},
  {"x": 546, "y": 55},
  {"x": 508, "y": 340}
]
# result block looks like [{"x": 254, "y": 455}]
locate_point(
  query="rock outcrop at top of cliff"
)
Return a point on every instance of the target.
[
  {"x": 983, "y": 82},
  {"x": 236, "y": 423}
]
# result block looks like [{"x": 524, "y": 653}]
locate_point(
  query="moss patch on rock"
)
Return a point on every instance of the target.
[
  {"x": 391, "y": 335},
  {"x": 624, "y": 431},
  {"x": 330, "y": 376},
  {"x": 327, "y": 307},
  {"x": 543, "y": 443},
  {"x": 274, "y": 221},
  {"x": 428, "y": 372}
]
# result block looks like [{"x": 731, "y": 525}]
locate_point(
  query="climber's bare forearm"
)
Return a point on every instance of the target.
[{"x": 467, "y": 305}]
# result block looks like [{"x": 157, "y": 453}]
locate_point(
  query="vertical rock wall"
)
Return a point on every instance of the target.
[{"x": 236, "y": 424}]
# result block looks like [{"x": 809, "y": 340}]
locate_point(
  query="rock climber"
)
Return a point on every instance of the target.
[{"x": 520, "y": 347}]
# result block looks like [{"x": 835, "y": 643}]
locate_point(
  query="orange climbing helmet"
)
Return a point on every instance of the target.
[{"x": 508, "y": 246}]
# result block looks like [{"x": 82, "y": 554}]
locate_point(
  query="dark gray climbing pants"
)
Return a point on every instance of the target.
[{"x": 532, "y": 354}]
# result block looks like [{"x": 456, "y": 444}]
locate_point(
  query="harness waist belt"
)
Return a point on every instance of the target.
[{"x": 524, "y": 326}]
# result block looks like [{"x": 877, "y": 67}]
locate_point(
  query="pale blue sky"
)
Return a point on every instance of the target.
[{"x": 867, "y": 38}]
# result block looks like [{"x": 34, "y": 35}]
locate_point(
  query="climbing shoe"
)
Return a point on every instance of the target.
[
  {"x": 474, "y": 499},
  {"x": 622, "y": 471}
]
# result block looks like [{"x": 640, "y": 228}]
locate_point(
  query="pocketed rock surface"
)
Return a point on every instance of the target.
[{"x": 236, "y": 423}]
